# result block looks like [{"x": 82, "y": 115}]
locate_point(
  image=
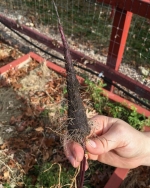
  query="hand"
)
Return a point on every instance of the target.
[{"x": 113, "y": 142}]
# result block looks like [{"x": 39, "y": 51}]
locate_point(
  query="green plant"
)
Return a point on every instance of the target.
[
  {"x": 64, "y": 90},
  {"x": 6, "y": 185},
  {"x": 135, "y": 119},
  {"x": 50, "y": 175},
  {"x": 63, "y": 109},
  {"x": 44, "y": 113},
  {"x": 95, "y": 92},
  {"x": 106, "y": 107}
]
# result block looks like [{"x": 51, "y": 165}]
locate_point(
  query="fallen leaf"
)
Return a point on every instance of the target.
[
  {"x": 6, "y": 175},
  {"x": 39, "y": 129},
  {"x": 90, "y": 114},
  {"x": 11, "y": 163},
  {"x": 29, "y": 162},
  {"x": 13, "y": 53},
  {"x": 29, "y": 111},
  {"x": 46, "y": 156},
  {"x": 12, "y": 120},
  {"x": 4, "y": 146},
  {"x": 49, "y": 142},
  {"x": 16, "y": 85}
]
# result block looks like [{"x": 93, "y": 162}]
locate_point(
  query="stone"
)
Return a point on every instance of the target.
[
  {"x": 144, "y": 71},
  {"x": 1, "y": 141}
]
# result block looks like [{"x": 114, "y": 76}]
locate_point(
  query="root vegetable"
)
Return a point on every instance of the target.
[
  {"x": 78, "y": 127},
  {"x": 77, "y": 121}
]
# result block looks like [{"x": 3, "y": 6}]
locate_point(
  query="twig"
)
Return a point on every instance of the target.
[{"x": 6, "y": 166}]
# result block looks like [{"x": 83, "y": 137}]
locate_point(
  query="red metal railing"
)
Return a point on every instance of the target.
[
  {"x": 135, "y": 86},
  {"x": 139, "y": 7},
  {"x": 121, "y": 24}
]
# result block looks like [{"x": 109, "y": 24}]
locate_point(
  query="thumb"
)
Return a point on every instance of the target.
[{"x": 104, "y": 143}]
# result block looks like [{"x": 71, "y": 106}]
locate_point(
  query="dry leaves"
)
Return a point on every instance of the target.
[
  {"x": 6, "y": 175},
  {"x": 90, "y": 114},
  {"x": 34, "y": 144},
  {"x": 39, "y": 129}
]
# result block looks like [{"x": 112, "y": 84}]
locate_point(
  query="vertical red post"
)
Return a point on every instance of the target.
[
  {"x": 121, "y": 25},
  {"x": 117, "y": 178}
]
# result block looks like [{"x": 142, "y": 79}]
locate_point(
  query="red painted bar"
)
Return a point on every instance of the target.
[
  {"x": 146, "y": 129},
  {"x": 26, "y": 58},
  {"x": 125, "y": 102},
  {"x": 108, "y": 94},
  {"x": 120, "y": 29},
  {"x": 15, "y": 63},
  {"x": 117, "y": 177},
  {"x": 112, "y": 12},
  {"x": 62, "y": 71},
  {"x": 139, "y": 7},
  {"x": 53, "y": 66},
  {"x": 135, "y": 86},
  {"x": 121, "y": 25}
]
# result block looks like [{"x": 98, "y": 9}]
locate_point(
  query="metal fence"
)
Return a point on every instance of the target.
[
  {"x": 88, "y": 22},
  {"x": 97, "y": 28}
]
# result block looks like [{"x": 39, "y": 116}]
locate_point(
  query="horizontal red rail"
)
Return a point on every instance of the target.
[
  {"x": 139, "y": 7},
  {"x": 108, "y": 94},
  {"x": 135, "y": 86},
  {"x": 117, "y": 177},
  {"x": 62, "y": 71}
]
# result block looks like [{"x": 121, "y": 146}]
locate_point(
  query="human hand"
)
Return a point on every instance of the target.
[{"x": 113, "y": 142}]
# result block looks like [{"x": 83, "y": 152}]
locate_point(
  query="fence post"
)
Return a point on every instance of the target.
[{"x": 120, "y": 28}]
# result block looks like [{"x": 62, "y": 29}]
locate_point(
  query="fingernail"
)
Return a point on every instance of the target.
[
  {"x": 72, "y": 160},
  {"x": 91, "y": 143}
]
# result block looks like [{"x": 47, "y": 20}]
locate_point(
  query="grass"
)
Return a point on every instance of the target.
[
  {"x": 57, "y": 176},
  {"x": 138, "y": 43},
  {"x": 49, "y": 175}
]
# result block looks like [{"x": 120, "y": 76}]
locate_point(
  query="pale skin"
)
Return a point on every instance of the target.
[{"x": 113, "y": 142}]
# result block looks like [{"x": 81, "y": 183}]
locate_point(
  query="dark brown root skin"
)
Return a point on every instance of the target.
[{"x": 77, "y": 120}]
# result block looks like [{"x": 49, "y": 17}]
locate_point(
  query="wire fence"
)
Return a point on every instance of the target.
[
  {"x": 87, "y": 23},
  {"x": 138, "y": 43}
]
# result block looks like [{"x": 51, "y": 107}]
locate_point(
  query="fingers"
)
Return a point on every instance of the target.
[
  {"x": 74, "y": 152},
  {"x": 92, "y": 157},
  {"x": 112, "y": 139},
  {"x": 108, "y": 137},
  {"x": 100, "y": 124}
]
